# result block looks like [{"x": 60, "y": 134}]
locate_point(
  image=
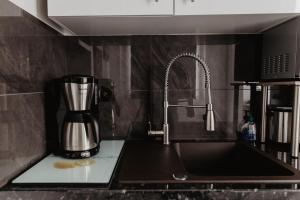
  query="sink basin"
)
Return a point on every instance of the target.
[
  {"x": 201, "y": 162},
  {"x": 227, "y": 159}
]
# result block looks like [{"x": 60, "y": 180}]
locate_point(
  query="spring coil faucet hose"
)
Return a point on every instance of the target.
[{"x": 209, "y": 117}]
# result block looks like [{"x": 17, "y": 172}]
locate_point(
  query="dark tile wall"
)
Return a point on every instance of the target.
[
  {"x": 31, "y": 54},
  {"x": 137, "y": 64}
]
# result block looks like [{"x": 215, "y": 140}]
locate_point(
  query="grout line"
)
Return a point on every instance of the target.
[
  {"x": 24, "y": 93},
  {"x": 213, "y": 89}
]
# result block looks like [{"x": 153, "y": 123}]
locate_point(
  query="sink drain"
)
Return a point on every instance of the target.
[{"x": 180, "y": 177}]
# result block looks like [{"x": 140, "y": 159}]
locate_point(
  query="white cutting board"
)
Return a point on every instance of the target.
[{"x": 98, "y": 170}]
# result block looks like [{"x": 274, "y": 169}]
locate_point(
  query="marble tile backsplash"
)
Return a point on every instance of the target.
[
  {"x": 22, "y": 132},
  {"x": 30, "y": 54},
  {"x": 137, "y": 66}
]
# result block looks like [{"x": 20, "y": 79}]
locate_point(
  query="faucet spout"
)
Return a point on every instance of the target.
[{"x": 209, "y": 119}]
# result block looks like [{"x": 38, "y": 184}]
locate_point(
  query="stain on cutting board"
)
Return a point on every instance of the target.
[{"x": 73, "y": 164}]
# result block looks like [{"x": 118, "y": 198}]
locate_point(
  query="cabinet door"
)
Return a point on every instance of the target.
[
  {"x": 223, "y": 7},
  {"x": 109, "y": 7}
]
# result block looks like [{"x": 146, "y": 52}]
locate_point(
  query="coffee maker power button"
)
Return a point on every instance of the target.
[{"x": 85, "y": 154}]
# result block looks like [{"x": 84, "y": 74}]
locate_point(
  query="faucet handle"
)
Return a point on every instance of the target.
[
  {"x": 209, "y": 118},
  {"x": 151, "y": 132}
]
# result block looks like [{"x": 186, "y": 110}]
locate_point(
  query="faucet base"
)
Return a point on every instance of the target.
[{"x": 155, "y": 132}]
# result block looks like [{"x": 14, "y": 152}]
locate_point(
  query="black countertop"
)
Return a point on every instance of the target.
[
  {"x": 166, "y": 191},
  {"x": 89, "y": 194}
]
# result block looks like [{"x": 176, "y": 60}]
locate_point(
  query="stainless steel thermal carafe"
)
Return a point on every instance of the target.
[{"x": 280, "y": 121}]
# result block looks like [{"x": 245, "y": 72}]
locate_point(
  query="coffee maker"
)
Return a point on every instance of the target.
[{"x": 80, "y": 137}]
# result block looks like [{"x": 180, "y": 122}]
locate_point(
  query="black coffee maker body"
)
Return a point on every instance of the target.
[{"x": 80, "y": 135}]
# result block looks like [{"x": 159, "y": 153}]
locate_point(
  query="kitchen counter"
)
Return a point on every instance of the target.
[
  {"x": 89, "y": 194},
  {"x": 162, "y": 191}
]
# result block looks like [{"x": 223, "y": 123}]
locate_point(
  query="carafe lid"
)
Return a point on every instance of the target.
[{"x": 79, "y": 79}]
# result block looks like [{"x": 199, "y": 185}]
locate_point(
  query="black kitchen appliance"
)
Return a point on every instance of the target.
[{"x": 281, "y": 55}]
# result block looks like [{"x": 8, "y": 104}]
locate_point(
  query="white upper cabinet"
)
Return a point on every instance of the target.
[
  {"x": 109, "y": 7},
  {"x": 147, "y": 17},
  {"x": 230, "y": 7}
]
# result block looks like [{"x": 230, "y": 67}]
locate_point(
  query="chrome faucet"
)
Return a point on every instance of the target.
[{"x": 209, "y": 119}]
